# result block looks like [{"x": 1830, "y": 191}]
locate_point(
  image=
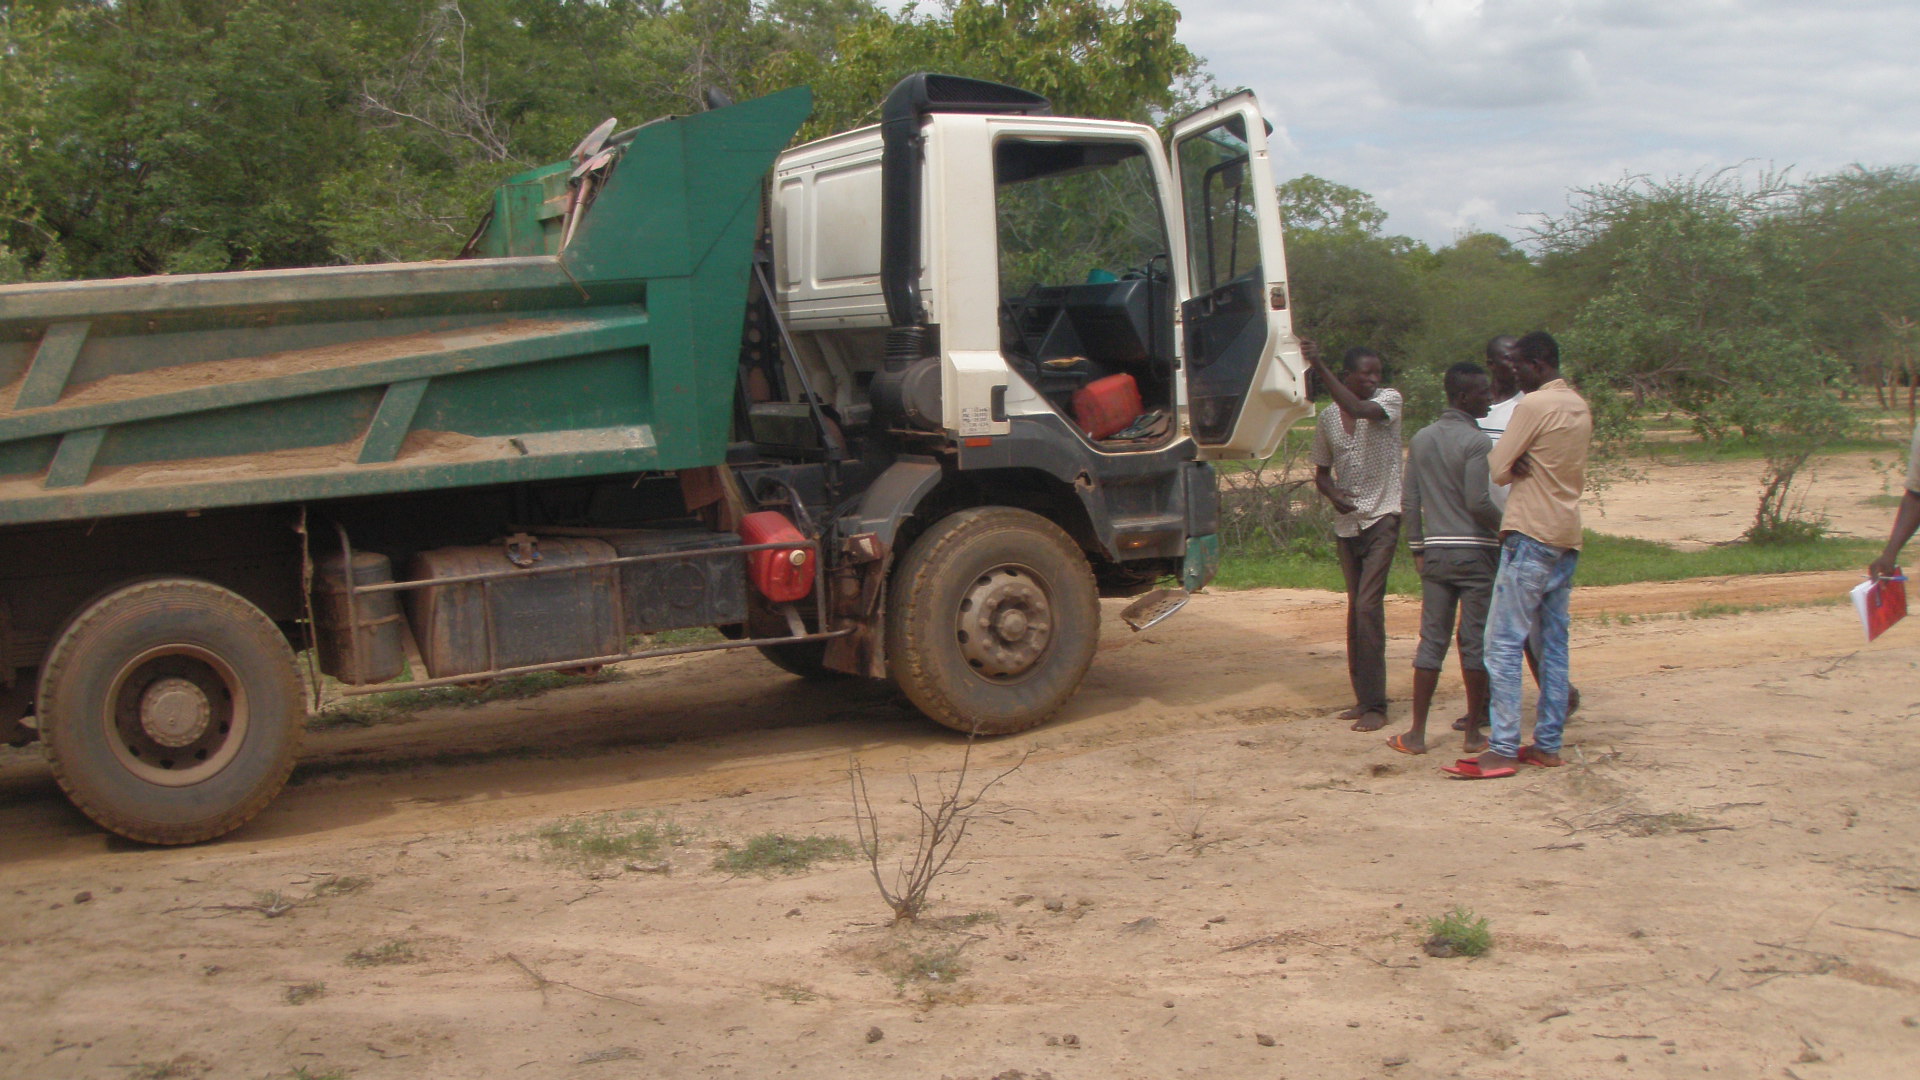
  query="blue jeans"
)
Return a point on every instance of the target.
[{"x": 1530, "y": 594}]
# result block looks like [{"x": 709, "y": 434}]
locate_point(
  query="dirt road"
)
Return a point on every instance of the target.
[{"x": 1194, "y": 862}]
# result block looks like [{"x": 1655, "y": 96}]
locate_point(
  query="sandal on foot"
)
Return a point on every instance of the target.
[
  {"x": 1469, "y": 769},
  {"x": 1398, "y": 742}
]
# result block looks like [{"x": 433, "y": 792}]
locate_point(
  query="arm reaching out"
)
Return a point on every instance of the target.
[{"x": 1356, "y": 406}]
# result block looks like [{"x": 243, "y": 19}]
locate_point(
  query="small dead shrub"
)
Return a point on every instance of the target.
[{"x": 944, "y": 816}]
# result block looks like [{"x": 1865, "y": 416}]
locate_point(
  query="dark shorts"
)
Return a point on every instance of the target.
[{"x": 1450, "y": 578}]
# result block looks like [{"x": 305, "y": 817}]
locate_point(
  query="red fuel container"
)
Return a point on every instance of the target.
[
  {"x": 1105, "y": 406},
  {"x": 782, "y": 575}
]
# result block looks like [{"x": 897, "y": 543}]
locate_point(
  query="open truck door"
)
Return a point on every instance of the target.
[{"x": 1245, "y": 377}]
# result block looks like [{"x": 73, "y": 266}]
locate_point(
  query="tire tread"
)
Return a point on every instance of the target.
[
  {"x": 64, "y": 653},
  {"x": 912, "y": 659}
]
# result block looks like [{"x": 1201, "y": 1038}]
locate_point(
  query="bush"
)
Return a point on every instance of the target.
[{"x": 1458, "y": 932}]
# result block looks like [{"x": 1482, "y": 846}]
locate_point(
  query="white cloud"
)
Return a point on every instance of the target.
[{"x": 1458, "y": 113}]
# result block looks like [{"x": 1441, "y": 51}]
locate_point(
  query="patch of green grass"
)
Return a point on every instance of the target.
[
  {"x": 301, "y": 993},
  {"x": 794, "y": 993},
  {"x": 941, "y": 965},
  {"x": 301, "y": 1072},
  {"x": 397, "y": 951},
  {"x": 1887, "y": 501},
  {"x": 667, "y": 639},
  {"x": 1660, "y": 824},
  {"x": 1604, "y": 560},
  {"x": 374, "y": 709},
  {"x": 186, "y": 1065},
  {"x": 1709, "y": 610},
  {"x": 770, "y": 852},
  {"x": 342, "y": 885},
  {"x": 1461, "y": 931},
  {"x": 1715, "y": 611},
  {"x": 1619, "y": 560},
  {"x": 1739, "y": 448},
  {"x": 609, "y": 837}
]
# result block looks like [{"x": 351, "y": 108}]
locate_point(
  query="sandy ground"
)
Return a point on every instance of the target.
[
  {"x": 1693, "y": 504},
  {"x": 1194, "y": 872}
]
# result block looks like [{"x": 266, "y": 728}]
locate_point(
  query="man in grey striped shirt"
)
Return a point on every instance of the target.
[{"x": 1453, "y": 529}]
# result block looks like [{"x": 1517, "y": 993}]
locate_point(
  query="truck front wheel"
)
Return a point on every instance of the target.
[
  {"x": 171, "y": 711},
  {"x": 993, "y": 620}
]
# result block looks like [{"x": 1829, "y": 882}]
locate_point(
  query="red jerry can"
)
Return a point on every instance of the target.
[
  {"x": 1105, "y": 406},
  {"x": 782, "y": 575}
]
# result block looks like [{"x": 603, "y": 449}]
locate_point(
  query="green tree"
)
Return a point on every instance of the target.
[
  {"x": 28, "y": 38},
  {"x": 1859, "y": 234},
  {"x": 1090, "y": 58},
  {"x": 1480, "y": 286},
  {"x": 1704, "y": 305},
  {"x": 167, "y": 144},
  {"x": 1309, "y": 202},
  {"x": 1350, "y": 284}
]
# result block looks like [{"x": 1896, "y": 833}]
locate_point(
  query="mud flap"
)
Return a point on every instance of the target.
[{"x": 1202, "y": 561}]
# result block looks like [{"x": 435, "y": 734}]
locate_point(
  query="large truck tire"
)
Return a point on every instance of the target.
[
  {"x": 171, "y": 711},
  {"x": 992, "y": 620},
  {"x": 806, "y": 659}
]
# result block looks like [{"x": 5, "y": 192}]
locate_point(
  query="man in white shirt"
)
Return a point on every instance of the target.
[
  {"x": 1506, "y": 394},
  {"x": 1357, "y": 458}
]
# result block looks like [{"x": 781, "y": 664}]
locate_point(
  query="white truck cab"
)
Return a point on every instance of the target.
[{"x": 1047, "y": 254}]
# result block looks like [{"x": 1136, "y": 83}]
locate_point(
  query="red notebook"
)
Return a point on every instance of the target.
[{"x": 1880, "y": 603}]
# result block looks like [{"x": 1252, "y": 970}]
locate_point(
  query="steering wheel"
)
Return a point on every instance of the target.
[{"x": 1148, "y": 271}]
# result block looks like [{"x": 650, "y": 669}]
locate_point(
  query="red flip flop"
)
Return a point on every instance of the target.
[
  {"x": 1469, "y": 769},
  {"x": 1395, "y": 741}
]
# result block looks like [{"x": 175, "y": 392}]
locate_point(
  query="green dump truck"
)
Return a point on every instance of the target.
[{"x": 902, "y": 403}]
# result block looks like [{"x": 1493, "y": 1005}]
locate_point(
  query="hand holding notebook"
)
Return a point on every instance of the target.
[{"x": 1880, "y": 602}]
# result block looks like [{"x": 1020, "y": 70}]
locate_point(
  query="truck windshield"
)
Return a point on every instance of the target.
[
  {"x": 1075, "y": 212},
  {"x": 1084, "y": 274}
]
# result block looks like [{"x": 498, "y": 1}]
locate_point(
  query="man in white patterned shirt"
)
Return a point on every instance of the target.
[{"x": 1357, "y": 460}]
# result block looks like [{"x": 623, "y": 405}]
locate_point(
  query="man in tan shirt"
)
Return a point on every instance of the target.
[{"x": 1543, "y": 454}]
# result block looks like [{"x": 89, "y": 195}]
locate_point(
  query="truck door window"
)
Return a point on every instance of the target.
[
  {"x": 1219, "y": 207},
  {"x": 1083, "y": 266}
]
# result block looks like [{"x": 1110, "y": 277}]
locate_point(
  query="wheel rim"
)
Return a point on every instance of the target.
[
  {"x": 1005, "y": 623},
  {"x": 177, "y": 715}
]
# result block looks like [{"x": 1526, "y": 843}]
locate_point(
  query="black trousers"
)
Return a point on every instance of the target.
[{"x": 1364, "y": 560}]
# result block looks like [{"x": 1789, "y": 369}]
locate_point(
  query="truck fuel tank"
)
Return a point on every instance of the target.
[{"x": 519, "y": 619}]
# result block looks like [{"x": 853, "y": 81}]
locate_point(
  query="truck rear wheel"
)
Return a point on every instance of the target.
[
  {"x": 171, "y": 711},
  {"x": 992, "y": 621}
]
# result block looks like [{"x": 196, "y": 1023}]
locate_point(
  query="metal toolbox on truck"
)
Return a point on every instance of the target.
[
  {"x": 521, "y": 619},
  {"x": 701, "y": 588}
]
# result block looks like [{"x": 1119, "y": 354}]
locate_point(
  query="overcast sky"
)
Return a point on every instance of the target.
[{"x": 1470, "y": 114}]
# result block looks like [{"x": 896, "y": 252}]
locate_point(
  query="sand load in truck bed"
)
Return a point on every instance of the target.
[{"x": 616, "y": 354}]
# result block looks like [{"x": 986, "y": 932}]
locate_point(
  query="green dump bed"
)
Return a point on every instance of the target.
[{"x": 154, "y": 394}]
